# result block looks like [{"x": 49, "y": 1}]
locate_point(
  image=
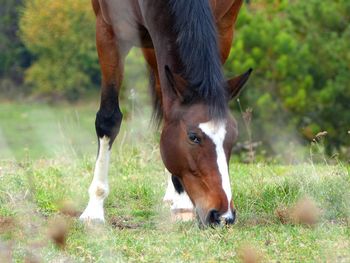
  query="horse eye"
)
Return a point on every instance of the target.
[{"x": 194, "y": 138}]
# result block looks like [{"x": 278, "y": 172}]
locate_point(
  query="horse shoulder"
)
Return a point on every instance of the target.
[
  {"x": 101, "y": 5},
  {"x": 226, "y": 12}
]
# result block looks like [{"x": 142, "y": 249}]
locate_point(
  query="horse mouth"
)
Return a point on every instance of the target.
[{"x": 214, "y": 218}]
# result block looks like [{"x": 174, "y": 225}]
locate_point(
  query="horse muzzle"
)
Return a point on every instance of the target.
[{"x": 214, "y": 218}]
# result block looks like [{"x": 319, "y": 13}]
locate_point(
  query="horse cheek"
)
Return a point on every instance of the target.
[{"x": 170, "y": 153}]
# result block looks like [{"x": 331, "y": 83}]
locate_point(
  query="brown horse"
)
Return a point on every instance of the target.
[{"x": 185, "y": 43}]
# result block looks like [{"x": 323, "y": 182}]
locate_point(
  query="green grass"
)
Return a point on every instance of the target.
[
  {"x": 39, "y": 130},
  {"x": 35, "y": 182},
  {"x": 35, "y": 130}
]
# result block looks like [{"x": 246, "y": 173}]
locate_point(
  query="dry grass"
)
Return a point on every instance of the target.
[
  {"x": 249, "y": 254},
  {"x": 305, "y": 212}
]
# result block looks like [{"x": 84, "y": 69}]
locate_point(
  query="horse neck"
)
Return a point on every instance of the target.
[{"x": 173, "y": 36}]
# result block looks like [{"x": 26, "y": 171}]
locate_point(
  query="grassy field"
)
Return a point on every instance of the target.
[{"x": 47, "y": 158}]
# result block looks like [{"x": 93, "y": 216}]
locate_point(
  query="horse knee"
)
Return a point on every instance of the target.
[
  {"x": 98, "y": 190},
  {"x": 108, "y": 123}
]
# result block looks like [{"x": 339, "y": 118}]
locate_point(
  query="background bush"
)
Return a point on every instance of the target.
[
  {"x": 60, "y": 34},
  {"x": 14, "y": 57},
  {"x": 301, "y": 56}
]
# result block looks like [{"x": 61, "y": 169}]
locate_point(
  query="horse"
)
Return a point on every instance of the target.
[{"x": 185, "y": 43}]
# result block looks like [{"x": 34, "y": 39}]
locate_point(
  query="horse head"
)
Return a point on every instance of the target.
[{"x": 196, "y": 148}]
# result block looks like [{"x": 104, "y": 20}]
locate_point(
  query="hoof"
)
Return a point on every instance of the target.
[
  {"x": 91, "y": 220},
  {"x": 167, "y": 201},
  {"x": 183, "y": 215},
  {"x": 93, "y": 216}
]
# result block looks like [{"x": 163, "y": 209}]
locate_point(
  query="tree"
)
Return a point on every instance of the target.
[
  {"x": 61, "y": 36},
  {"x": 299, "y": 50},
  {"x": 13, "y": 56}
]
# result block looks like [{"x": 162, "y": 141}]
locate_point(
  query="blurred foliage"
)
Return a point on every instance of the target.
[
  {"x": 61, "y": 35},
  {"x": 301, "y": 82},
  {"x": 14, "y": 57}
]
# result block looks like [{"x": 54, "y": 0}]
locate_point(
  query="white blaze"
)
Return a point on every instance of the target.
[
  {"x": 216, "y": 131},
  {"x": 98, "y": 189}
]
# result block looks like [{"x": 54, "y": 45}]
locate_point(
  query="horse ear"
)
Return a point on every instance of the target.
[
  {"x": 176, "y": 83},
  {"x": 236, "y": 84}
]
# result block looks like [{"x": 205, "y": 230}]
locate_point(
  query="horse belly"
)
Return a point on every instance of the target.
[{"x": 126, "y": 20}]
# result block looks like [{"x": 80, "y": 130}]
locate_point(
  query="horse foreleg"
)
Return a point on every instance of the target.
[
  {"x": 108, "y": 118},
  {"x": 181, "y": 206},
  {"x": 98, "y": 189}
]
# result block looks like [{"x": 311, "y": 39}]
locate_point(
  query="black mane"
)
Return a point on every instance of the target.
[{"x": 198, "y": 52}]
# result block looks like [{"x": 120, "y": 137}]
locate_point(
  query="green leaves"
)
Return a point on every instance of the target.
[
  {"x": 301, "y": 59},
  {"x": 13, "y": 55},
  {"x": 61, "y": 35}
]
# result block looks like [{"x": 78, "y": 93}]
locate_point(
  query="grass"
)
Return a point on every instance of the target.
[
  {"x": 36, "y": 181},
  {"x": 39, "y": 130}
]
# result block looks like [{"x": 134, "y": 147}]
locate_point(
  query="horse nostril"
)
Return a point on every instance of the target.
[
  {"x": 231, "y": 220},
  {"x": 213, "y": 217}
]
